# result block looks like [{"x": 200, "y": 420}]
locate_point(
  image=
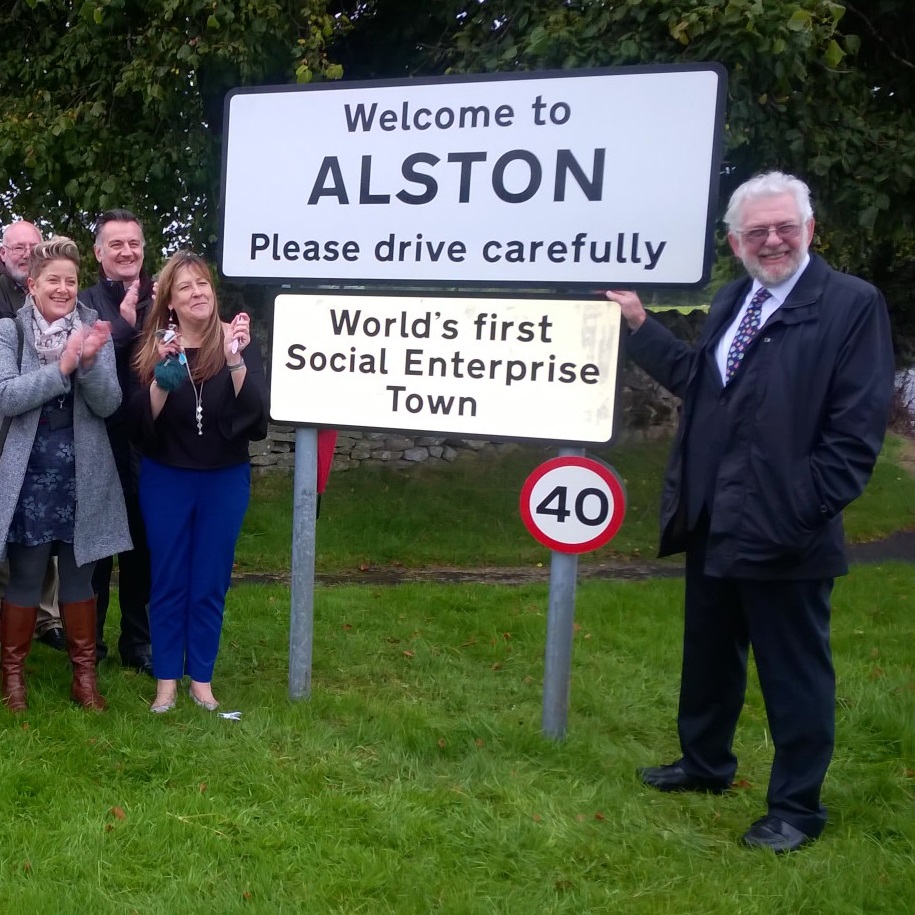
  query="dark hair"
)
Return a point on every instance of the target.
[{"x": 116, "y": 215}]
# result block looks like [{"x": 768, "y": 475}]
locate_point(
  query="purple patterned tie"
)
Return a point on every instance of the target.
[{"x": 746, "y": 331}]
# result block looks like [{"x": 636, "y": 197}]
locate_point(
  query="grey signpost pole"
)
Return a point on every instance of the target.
[
  {"x": 301, "y": 617},
  {"x": 557, "y": 666}
]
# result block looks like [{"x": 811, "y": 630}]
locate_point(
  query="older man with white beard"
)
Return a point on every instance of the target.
[
  {"x": 785, "y": 399},
  {"x": 18, "y": 240}
]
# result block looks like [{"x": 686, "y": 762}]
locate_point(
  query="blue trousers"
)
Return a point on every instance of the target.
[{"x": 193, "y": 519}]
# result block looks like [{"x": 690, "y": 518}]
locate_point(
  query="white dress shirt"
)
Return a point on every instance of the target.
[{"x": 779, "y": 293}]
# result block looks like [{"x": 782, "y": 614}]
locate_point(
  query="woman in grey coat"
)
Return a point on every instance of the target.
[{"x": 60, "y": 492}]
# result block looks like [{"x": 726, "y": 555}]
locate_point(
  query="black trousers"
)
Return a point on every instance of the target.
[
  {"x": 133, "y": 566},
  {"x": 787, "y": 625}
]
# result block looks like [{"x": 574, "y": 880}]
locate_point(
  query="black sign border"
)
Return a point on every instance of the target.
[
  {"x": 481, "y": 287},
  {"x": 615, "y": 424}
]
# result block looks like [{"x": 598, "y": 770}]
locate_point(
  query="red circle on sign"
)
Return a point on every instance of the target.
[{"x": 564, "y": 474}]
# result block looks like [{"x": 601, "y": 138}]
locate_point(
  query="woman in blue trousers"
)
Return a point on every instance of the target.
[{"x": 203, "y": 398}]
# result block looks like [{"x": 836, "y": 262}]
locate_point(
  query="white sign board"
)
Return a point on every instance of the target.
[
  {"x": 495, "y": 368},
  {"x": 562, "y": 180}
]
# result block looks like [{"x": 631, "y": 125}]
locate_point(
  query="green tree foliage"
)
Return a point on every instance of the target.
[
  {"x": 120, "y": 103},
  {"x": 819, "y": 88}
]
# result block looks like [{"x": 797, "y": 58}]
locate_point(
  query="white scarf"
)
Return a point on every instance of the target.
[{"x": 51, "y": 338}]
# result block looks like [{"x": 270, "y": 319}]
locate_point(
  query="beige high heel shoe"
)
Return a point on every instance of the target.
[
  {"x": 158, "y": 708},
  {"x": 203, "y": 703}
]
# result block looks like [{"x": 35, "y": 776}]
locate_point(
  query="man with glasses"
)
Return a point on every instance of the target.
[
  {"x": 15, "y": 250},
  {"x": 121, "y": 297},
  {"x": 18, "y": 240},
  {"x": 785, "y": 398}
]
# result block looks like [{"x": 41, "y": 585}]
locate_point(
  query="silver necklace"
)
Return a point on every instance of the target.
[{"x": 198, "y": 398}]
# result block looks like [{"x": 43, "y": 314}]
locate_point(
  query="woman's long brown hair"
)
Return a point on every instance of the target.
[{"x": 211, "y": 356}]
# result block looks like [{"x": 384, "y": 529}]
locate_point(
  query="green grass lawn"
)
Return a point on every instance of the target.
[
  {"x": 466, "y": 514},
  {"x": 416, "y": 779},
  {"x": 462, "y": 514}
]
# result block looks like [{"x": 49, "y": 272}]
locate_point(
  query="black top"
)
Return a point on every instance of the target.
[{"x": 229, "y": 421}]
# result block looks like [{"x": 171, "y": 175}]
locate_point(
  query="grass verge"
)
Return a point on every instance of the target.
[
  {"x": 417, "y": 780},
  {"x": 466, "y": 514}
]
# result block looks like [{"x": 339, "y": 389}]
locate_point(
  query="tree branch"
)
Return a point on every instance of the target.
[{"x": 879, "y": 37}]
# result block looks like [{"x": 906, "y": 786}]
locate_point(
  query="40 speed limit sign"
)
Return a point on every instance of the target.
[{"x": 573, "y": 504}]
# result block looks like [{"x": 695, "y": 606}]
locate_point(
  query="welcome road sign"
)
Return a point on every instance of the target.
[{"x": 567, "y": 180}]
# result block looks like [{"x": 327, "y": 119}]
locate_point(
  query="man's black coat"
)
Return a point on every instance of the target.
[
  {"x": 106, "y": 297},
  {"x": 794, "y": 437},
  {"x": 12, "y": 295}
]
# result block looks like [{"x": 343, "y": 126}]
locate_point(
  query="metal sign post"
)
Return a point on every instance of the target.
[
  {"x": 572, "y": 504},
  {"x": 517, "y": 367},
  {"x": 301, "y": 613},
  {"x": 557, "y": 660}
]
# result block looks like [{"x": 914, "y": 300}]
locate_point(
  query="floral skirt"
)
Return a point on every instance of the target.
[{"x": 46, "y": 510}]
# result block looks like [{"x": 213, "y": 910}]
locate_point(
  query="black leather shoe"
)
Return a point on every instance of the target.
[
  {"x": 54, "y": 638},
  {"x": 771, "y": 832},
  {"x": 142, "y": 664},
  {"x": 675, "y": 778}
]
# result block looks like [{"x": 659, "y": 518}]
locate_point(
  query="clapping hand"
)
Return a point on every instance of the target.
[
  {"x": 82, "y": 347},
  {"x": 128, "y": 306},
  {"x": 69, "y": 358},
  {"x": 95, "y": 337}
]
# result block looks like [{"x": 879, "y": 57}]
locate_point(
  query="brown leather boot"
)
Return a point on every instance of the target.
[
  {"x": 17, "y": 626},
  {"x": 79, "y": 627}
]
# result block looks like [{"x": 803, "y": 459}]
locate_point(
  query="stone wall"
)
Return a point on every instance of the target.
[{"x": 354, "y": 448}]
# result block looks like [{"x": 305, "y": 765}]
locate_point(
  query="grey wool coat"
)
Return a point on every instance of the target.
[{"x": 101, "y": 520}]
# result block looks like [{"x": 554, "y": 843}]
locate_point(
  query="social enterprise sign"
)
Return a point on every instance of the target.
[
  {"x": 568, "y": 180},
  {"x": 478, "y": 368}
]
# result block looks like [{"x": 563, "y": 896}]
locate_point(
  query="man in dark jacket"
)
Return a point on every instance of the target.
[
  {"x": 785, "y": 399},
  {"x": 122, "y": 296},
  {"x": 15, "y": 250},
  {"x": 18, "y": 240}
]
